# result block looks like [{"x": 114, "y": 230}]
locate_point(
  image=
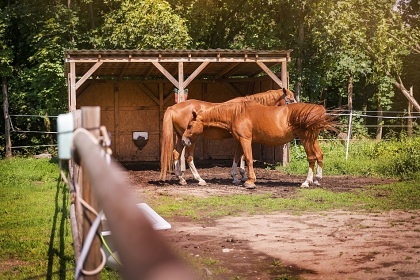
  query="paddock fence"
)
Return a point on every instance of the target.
[
  {"x": 97, "y": 189},
  {"x": 351, "y": 121}
]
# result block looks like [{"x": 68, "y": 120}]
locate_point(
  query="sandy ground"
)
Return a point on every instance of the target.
[
  {"x": 327, "y": 245},
  {"x": 333, "y": 245}
]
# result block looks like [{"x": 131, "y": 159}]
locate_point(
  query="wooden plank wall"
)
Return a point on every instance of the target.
[{"x": 129, "y": 106}]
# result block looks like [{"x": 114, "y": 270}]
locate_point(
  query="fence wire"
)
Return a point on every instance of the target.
[{"x": 398, "y": 115}]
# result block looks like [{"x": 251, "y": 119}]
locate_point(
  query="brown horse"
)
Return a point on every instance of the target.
[
  {"x": 176, "y": 119},
  {"x": 249, "y": 121}
]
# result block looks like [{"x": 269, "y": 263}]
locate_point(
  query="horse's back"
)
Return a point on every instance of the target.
[
  {"x": 265, "y": 124},
  {"x": 182, "y": 112}
]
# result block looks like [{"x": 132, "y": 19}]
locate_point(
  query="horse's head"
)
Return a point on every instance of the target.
[
  {"x": 288, "y": 97},
  {"x": 194, "y": 129}
]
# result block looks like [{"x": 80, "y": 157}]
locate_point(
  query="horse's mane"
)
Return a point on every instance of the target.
[
  {"x": 265, "y": 98},
  {"x": 224, "y": 112}
]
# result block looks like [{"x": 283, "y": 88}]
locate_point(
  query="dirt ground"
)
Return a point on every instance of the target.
[{"x": 327, "y": 245}]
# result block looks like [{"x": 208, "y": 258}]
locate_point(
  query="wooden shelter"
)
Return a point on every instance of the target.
[{"x": 134, "y": 88}]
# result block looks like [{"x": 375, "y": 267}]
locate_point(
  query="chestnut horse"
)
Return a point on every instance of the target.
[
  {"x": 249, "y": 121},
  {"x": 176, "y": 119}
]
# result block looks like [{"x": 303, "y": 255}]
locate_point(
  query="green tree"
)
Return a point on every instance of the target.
[
  {"x": 6, "y": 52},
  {"x": 142, "y": 24},
  {"x": 39, "y": 32},
  {"x": 354, "y": 38},
  {"x": 411, "y": 39},
  {"x": 6, "y": 59}
]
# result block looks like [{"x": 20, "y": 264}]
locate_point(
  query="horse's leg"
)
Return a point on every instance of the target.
[
  {"x": 236, "y": 158},
  {"x": 310, "y": 155},
  {"x": 242, "y": 169},
  {"x": 177, "y": 168},
  {"x": 190, "y": 160},
  {"x": 247, "y": 149},
  {"x": 319, "y": 158}
]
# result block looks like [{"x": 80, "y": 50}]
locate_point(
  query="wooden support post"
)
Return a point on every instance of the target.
[
  {"x": 117, "y": 117},
  {"x": 161, "y": 114},
  {"x": 181, "y": 89},
  {"x": 285, "y": 83},
  {"x": 72, "y": 86},
  {"x": 284, "y": 79},
  {"x": 91, "y": 121}
]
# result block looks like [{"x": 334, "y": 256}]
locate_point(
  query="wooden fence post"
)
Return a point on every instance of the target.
[
  {"x": 76, "y": 210},
  {"x": 91, "y": 121}
]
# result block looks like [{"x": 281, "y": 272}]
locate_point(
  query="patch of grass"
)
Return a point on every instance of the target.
[
  {"x": 208, "y": 267},
  {"x": 393, "y": 158},
  {"x": 34, "y": 230},
  {"x": 35, "y": 235},
  {"x": 402, "y": 195}
]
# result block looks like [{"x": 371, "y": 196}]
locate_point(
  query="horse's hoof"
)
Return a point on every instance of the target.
[
  {"x": 236, "y": 182},
  {"x": 304, "y": 185},
  {"x": 202, "y": 183},
  {"x": 317, "y": 183},
  {"x": 249, "y": 186},
  {"x": 182, "y": 182}
]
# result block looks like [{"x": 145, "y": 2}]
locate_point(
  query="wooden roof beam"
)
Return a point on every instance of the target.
[
  {"x": 166, "y": 73},
  {"x": 148, "y": 93},
  {"x": 270, "y": 73},
  {"x": 88, "y": 74},
  {"x": 123, "y": 71},
  {"x": 195, "y": 73},
  {"x": 175, "y": 59}
]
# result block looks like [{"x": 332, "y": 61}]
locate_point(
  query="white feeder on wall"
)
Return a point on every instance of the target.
[{"x": 140, "y": 138}]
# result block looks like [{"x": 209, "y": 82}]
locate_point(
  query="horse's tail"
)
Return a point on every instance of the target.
[
  {"x": 310, "y": 119},
  {"x": 167, "y": 144}
]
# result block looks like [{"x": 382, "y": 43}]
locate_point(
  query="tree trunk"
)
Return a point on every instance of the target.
[
  {"x": 364, "y": 108},
  {"x": 6, "y": 118},
  {"x": 406, "y": 93},
  {"x": 409, "y": 120},
  {"x": 379, "y": 123}
]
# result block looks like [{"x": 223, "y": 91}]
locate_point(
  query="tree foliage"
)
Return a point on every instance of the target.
[
  {"x": 143, "y": 24},
  {"x": 368, "y": 43},
  {"x": 6, "y": 53}
]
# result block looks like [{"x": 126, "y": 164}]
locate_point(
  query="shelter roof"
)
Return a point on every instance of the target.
[{"x": 143, "y": 64}]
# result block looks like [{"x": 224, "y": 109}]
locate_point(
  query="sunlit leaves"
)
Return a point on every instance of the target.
[
  {"x": 6, "y": 54},
  {"x": 144, "y": 24}
]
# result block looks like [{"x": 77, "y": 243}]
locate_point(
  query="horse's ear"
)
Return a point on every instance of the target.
[{"x": 285, "y": 90}]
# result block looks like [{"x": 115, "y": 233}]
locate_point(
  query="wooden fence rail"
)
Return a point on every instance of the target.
[{"x": 96, "y": 181}]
